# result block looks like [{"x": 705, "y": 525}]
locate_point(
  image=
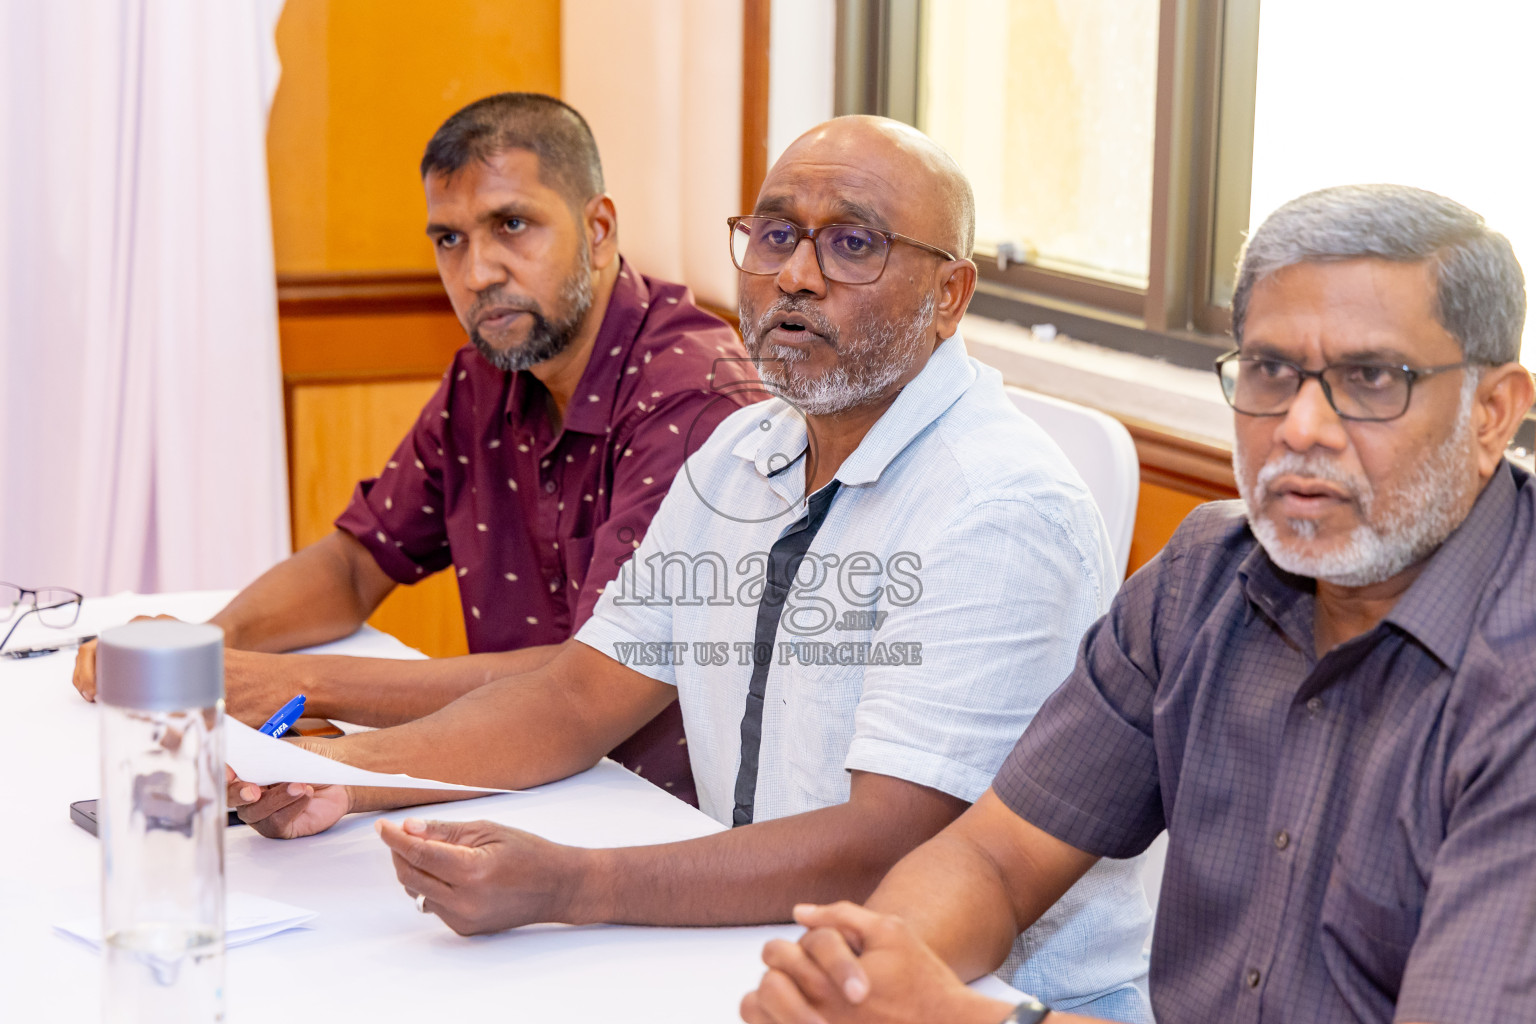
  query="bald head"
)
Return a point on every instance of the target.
[{"x": 895, "y": 166}]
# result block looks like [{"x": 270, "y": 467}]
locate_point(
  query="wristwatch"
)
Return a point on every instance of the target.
[{"x": 1030, "y": 1011}]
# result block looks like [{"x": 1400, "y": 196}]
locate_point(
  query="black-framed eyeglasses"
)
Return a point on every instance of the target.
[
  {"x": 56, "y": 607},
  {"x": 1372, "y": 392},
  {"x": 846, "y": 253}
]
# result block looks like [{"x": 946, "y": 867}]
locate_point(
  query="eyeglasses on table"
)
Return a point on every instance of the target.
[{"x": 55, "y": 607}]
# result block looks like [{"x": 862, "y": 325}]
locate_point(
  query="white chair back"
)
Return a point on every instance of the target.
[{"x": 1101, "y": 450}]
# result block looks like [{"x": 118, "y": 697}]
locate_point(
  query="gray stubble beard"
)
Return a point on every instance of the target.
[{"x": 857, "y": 379}]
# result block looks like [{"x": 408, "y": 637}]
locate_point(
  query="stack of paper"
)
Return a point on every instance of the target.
[{"x": 247, "y": 918}]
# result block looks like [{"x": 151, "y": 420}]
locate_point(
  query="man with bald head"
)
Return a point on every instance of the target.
[{"x": 856, "y": 590}]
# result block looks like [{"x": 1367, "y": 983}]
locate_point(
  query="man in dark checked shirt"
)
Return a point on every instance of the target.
[
  {"x": 1326, "y": 693},
  {"x": 534, "y": 470}
]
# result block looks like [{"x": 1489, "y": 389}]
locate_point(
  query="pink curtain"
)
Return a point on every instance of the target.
[{"x": 141, "y": 426}]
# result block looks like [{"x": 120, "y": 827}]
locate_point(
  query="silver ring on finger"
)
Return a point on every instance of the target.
[{"x": 421, "y": 903}]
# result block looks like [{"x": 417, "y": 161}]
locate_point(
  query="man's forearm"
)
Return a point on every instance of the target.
[
  {"x": 363, "y": 799},
  {"x": 754, "y": 874},
  {"x": 954, "y": 900},
  {"x": 383, "y": 691},
  {"x": 970, "y": 891},
  {"x": 519, "y": 731},
  {"x": 321, "y": 593}
]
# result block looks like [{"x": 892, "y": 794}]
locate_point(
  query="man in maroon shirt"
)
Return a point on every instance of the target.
[{"x": 535, "y": 468}]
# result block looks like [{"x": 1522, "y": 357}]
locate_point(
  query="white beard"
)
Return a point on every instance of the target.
[
  {"x": 896, "y": 346},
  {"x": 1398, "y": 529}
]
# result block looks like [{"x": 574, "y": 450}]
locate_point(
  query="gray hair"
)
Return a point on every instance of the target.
[{"x": 1480, "y": 289}]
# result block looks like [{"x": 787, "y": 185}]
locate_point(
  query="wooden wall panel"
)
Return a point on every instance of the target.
[
  {"x": 367, "y": 346},
  {"x": 364, "y": 85},
  {"x": 1159, "y": 511},
  {"x": 756, "y": 32},
  {"x": 343, "y": 433}
]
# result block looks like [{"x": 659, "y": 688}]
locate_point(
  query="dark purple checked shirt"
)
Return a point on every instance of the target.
[
  {"x": 537, "y": 521},
  {"x": 1351, "y": 838}
]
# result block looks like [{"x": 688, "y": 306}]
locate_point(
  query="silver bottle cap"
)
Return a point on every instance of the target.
[{"x": 160, "y": 665}]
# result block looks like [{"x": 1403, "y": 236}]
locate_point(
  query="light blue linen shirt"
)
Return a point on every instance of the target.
[{"x": 941, "y": 602}]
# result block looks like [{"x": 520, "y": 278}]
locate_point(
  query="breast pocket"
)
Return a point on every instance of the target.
[
  {"x": 820, "y": 706},
  {"x": 1370, "y": 932}
]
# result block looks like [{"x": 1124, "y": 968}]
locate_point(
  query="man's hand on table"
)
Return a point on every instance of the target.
[
  {"x": 255, "y": 685},
  {"x": 854, "y": 965},
  {"x": 286, "y": 810},
  {"x": 482, "y": 877},
  {"x": 85, "y": 661}
]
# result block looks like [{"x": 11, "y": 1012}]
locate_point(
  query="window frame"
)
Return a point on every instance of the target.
[{"x": 1202, "y": 163}]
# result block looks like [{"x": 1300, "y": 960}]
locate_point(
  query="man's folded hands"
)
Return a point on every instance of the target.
[{"x": 854, "y": 965}]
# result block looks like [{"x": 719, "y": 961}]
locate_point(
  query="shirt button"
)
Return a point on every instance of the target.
[
  {"x": 1315, "y": 706},
  {"x": 1282, "y": 839},
  {"x": 1252, "y": 977},
  {"x": 549, "y": 487},
  {"x": 554, "y": 583}
]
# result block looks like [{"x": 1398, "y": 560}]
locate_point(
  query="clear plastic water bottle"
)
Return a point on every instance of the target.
[{"x": 160, "y": 685}]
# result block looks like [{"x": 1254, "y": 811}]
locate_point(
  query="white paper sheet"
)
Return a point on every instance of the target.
[
  {"x": 247, "y": 918},
  {"x": 260, "y": 759}
]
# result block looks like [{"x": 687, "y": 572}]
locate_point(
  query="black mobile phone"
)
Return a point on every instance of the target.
[{"x": 83, "y": 813}]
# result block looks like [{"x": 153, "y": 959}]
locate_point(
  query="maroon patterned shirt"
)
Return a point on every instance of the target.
[{"x": 536, "y": 521}]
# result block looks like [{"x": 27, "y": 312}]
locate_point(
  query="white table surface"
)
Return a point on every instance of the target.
[{"x": 369, "y": 956}]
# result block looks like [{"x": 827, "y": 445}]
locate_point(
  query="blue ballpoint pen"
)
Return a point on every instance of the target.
[{"x": 285, "y": 717}]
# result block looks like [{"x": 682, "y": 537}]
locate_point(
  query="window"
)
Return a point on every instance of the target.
[
  {"x": 1050, "y": 109},
  {"x": 1425, "y": 94},
  {"x": 1121, "y": 149}
]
